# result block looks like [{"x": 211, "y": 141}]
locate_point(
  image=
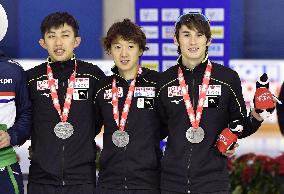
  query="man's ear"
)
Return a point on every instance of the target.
[
  {"x": 140, "y": 52},
  {"x": 77, "y": 41},
  {"x": 42, "y": 43},
  {"x": 108, "y": 52},
  {"x": 176, "y": 41},
  {"x": 209, "y": 42}
]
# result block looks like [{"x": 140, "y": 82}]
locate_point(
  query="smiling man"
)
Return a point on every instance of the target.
[
  {"x": 63, "y": 132},
  {"x": 197, "y": 100},
  {"x": 125, "y": 101}
]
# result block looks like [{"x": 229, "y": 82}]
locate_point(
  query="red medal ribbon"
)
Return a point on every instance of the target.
[
  {"x": 127, "y": 103},
  {"x": 69, "y": 93},
  {"x": 195, "y": 121}
]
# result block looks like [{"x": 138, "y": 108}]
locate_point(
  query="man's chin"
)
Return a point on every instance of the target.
[{"x": 60, "y": 58}]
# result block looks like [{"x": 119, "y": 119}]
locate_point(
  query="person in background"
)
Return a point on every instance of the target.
[{"x": 15, "y": 117}]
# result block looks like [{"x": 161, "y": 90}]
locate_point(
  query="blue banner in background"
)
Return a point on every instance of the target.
[
  {"x": 25, "y": 18},
  {"x": 157, "y": 18}
]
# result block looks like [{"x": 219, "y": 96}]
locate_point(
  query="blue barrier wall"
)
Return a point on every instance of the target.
[
  {"x": 264, "y": 28},
  {"x": 256, "y": 27},
  {"x": 30, "y": 13},
  {"x": 10, "y": 42},
  {"x": 237, "y": 29}
]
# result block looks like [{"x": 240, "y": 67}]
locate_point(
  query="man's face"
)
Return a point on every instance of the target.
[
  {"x": 60, "y": 42},
  {"x": 125, "y": 54},
  {"x": 192, "y": 43}
]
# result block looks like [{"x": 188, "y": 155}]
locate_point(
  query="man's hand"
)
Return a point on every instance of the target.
[
  {"x": 231, "y": 152},
  {"x": 4, "y": 139},
  {"x": 256, "y": 115}
]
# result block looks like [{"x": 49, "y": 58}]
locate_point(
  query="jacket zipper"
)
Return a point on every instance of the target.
[
  {"x": 190, "y": 151},
  {"x": 193, "y": 99},
  {"x": 63, "y": 181},
  {"x": 63, "y": 147}
]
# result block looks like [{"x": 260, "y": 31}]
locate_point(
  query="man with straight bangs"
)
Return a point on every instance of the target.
[
  {"x": 125, "y": 101},
  {"x": 62, "y": 95},
  {"x": 197, "y": 100}
]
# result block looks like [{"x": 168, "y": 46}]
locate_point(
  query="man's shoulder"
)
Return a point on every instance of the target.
[
  {"x": 151, "y": 76},
  {"x": 105, "y": 81},
  {"x": 86, "y": 64},
  {"x": 36, "y": 71},
  {"x": 224, "y": 74},
  {"x": 37, "y": 68},
  {"x": 169, "y": 75},
  {"x": 104, "y": 84},
  {"x": 91, "y": 69},
  {"x": 11, "y": 66},
  {"x": 223, "y": 71}
]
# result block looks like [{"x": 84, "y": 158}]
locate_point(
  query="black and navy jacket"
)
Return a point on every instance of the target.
[
  {"x": 56, "y": 161},
  {"x": 136, "y": 166},
  {"x": 15, "y": 105},
  {"x": 199, "y": 168}
]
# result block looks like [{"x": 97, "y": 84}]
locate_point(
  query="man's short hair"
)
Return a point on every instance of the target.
[
  {"x": 57, "y": 19},
  {"x": 128, "y": 31},
  {"x": 193, "y": 20}
]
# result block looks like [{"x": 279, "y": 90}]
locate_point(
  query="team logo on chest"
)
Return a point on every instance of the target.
[
  {"x": 212, "y": 96},
  {"x": 43, "y": 85},
  {"x": 174, "y": 91},
  {"x": 108, "y": 93},
  {"x": 144, "y": 91},
  {"x": 82, "y": 83}
]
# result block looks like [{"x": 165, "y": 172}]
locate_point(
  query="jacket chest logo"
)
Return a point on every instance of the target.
[
  {"x": 144, "y": 92},
  {"x": 79, "y": 83},
  {"x": 108, "y": 93},
  {"x": 174, "y": 91},
  {"x": 43, "y": 85},
  {"x": 82, "y": 83},
  {"x": 212, "y": 95},
  {"x": 138, "y": 92},
  {"x": 80, "y": 89}
]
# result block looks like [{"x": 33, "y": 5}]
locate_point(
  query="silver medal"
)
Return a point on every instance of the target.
[
  {"x": 63, "y": 130},
  {"x": 195, "y": 135},
  {"x": 120, "y": 138}
]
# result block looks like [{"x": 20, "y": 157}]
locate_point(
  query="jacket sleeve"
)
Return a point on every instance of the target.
[
  {"x": 280, "y": 110},
  {"x": 99, "y": 73},
  {"x": 20, "y": 131},
  {"x": 238, "y": 110}
]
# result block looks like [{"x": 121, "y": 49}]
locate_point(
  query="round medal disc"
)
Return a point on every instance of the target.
[
  {"x": 195, "y": 135},
  {"x": 120, "y": 138},
  {"x": 63, "y": 130}
]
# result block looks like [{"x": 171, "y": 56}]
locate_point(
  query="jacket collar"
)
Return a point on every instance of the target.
[
  {"x": 114, "y": 69},
  {"x": 63, "y": 69},
  {"x": 198, "y": 68}
]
